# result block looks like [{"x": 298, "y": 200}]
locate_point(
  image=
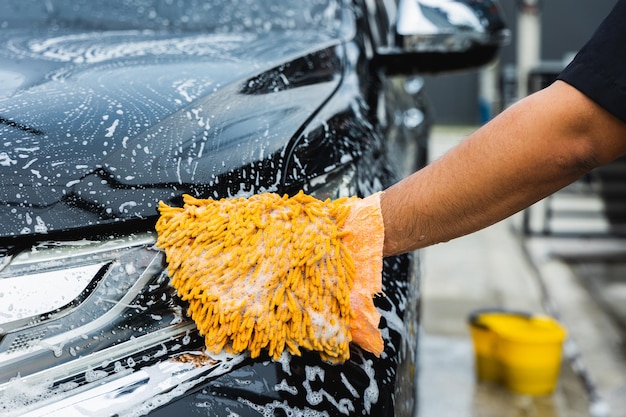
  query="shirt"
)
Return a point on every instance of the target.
[{"x": 599, "y": 68}]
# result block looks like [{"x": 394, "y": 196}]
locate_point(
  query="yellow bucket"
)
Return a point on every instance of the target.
[{"x": 521, "y": 351}]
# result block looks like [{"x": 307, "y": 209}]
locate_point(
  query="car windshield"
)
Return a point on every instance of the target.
[{"x": 172, "y": 15}]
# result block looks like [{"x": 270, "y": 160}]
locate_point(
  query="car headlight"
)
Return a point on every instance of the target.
[{"x": 86, "y": 326}]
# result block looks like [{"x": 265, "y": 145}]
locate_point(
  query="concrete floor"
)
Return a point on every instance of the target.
[{"x": 496, "y": 268}]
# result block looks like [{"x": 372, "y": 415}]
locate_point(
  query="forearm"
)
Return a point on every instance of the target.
[{"x": 526, "y": 153}]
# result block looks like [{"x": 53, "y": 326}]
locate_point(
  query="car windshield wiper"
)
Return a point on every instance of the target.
[{"x": 20, "y": 126}]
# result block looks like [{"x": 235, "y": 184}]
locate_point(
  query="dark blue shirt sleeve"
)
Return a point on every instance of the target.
[{"x": 599, "y": 68}]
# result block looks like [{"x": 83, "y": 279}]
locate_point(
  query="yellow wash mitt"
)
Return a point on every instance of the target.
[{"x": 274, "y": 273}]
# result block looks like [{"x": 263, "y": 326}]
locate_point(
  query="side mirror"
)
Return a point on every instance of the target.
[{"x": 432, "y": 36}]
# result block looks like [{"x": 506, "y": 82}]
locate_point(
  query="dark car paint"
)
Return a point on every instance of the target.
[
  {"x": 101, "y": 143},
  {"x": 278, "y": 123}
]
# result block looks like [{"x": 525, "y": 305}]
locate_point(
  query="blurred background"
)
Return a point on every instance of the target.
[
  {"x": 545, "y": 36},
  {"x": 564, "y": 256}
]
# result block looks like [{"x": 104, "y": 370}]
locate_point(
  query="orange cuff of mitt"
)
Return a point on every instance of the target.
[{"x": 364, "y": 237}]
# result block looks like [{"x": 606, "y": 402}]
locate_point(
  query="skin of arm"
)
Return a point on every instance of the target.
[{"x": 529, "y": 151}]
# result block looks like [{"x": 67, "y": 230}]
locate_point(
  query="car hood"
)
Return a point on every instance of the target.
[{"x": 98, "y": 127}]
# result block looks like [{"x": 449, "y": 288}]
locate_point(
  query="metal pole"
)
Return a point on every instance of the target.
[
  {"x": 488, "y": 91},
  {"x": 528, "y": 42}
]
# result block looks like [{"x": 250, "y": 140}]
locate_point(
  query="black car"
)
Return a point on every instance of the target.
[{"x": 108, "y": 107}]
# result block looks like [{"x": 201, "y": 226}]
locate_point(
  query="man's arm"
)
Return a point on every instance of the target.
[{"x": 537, "y": 146}]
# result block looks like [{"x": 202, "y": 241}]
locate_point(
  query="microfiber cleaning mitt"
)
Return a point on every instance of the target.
[{"x": 273, "y": 272}]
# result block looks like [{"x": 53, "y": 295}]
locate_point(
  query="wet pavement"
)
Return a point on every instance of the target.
[{"x": 580, "y": 281}]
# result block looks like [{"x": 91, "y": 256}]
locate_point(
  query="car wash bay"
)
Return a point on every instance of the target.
[{"x": 581, "y": 280}]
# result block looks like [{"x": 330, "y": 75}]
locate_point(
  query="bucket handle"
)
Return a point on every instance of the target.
[{"x": 473, "y": 317}]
